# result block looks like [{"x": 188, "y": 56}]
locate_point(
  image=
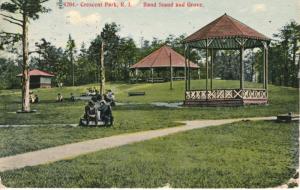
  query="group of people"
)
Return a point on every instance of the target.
[
  {"x": 98, "y": 109},
  {"x": 60, "y": 97},
  {"x": 92, "y": 91}
]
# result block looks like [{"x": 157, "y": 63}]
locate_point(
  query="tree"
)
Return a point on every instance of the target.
[
  {"x": 8, "y": 70},
  {"x": 94, "y": 56},
  {"x": 22, "y": 11},
  {"x": 283, "y": 67},
  {"x": 51, "y": 59},
  {"x": 48, "y": 56},
  {"x": 71, "y": 51},
  {"x": 127, "y": 57},
  {"x": 109, "y": 35},
  {"x": 226, "y": 65},
  {"x": 85, "y": 70},
  {"x": 111, "y": 40}
]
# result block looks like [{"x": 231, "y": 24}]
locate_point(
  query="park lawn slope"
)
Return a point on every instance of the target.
[
  {"x": 240, "y": 155},
  {"x": 137, "y": 116}
]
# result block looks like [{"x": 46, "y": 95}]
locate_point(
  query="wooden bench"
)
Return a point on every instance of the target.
[
  {"x": 136, "y": 93},
  {"x": 178, "y": 78},
  {"x": 287, "y": 117},
  {"x": 156, "y": 80}
]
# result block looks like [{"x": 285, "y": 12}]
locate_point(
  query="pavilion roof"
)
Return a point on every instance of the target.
[
  {"x": 161, "y": 58},
  {"x": 36, "y": 72},
  {"x": 226, "y": 27}
]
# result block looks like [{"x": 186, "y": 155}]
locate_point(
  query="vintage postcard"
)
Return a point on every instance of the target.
[{"x": 149, "y": 93}]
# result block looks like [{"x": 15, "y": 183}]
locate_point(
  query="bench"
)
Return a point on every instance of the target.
[
  {"x": 287, "y": 117},
  {"x": 156, "y": 80},
  {"x": 178, "y": 78},
  {"x": 136, "y": 93}
]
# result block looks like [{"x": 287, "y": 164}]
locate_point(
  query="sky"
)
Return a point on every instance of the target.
[{"x": 265, "y": 16}]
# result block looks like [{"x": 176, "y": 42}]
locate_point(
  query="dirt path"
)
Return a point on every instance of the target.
[{"x": 75, "y": 149}]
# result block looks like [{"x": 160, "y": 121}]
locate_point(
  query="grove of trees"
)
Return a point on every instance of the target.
[{"x": 78, "y": 64}]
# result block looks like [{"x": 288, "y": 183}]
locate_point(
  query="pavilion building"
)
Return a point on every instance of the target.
[
  {"x": 163, "y": 59},
  {"x": 39, "y": 79}
]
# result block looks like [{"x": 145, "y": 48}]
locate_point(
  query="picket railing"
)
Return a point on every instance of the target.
[{"x": 226, "y": 94}]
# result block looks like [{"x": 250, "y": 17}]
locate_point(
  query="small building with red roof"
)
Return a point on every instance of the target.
[{"x": 39, "y": 79}]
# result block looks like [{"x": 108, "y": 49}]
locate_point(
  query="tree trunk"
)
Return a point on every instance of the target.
[
  {"x": 102, "y": 71},
  {"x": 26, "y": 77},
  {"x": 73, "y": 67}
]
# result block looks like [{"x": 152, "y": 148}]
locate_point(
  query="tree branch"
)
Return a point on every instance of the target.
[
  {"x": 9, "y": 33},
  {"x": 13, "y": 22},
  {"x": 11, "y": 17},
  {"x": 8, "y": 42}
]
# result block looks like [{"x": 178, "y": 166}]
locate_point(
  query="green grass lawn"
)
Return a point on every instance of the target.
[
  {"x": 245, "y": 154},
  {"x": 128, "y": 118}
]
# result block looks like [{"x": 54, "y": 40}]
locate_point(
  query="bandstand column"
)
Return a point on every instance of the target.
[
  {"x": 171, "y": 73},
  {"x": 206, "y": 66},
  {"x": 211, "y": 69},
  {"x": 241, "y": 68},
  {"x": 267, "y": 64},
  {"x": 185, "y": 68},
  {"x": 189, "y": 69}
]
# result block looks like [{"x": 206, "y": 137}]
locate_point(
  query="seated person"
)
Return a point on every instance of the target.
[
  {"x": 72, "y": 98},
  {"x": 110, "y": 97},
  {"x": 36, "y": 99},
  {"x": 59, "y": 98},
  {"x": 109, "y": 94},
  {"x": 31, "y": 97},
  {"x": 90, "y": 112},
  {"x": 105, "y": 111}
]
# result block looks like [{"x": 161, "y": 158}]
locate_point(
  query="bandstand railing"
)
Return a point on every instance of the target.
[{"x": 226, "y": 94}]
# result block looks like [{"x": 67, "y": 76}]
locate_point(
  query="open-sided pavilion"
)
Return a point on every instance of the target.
[
  {"x": 226, "y": 33},
  {"x": 163, "y": 59}
]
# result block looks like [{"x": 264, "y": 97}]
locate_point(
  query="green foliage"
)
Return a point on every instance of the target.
[
  {"x": 9, "y": 70},
  {"x": 283, "y": 64},
  {"x": 227, "y": 65},
  {"x": 240, "y": 155},
  {"x": 111, "y": 39},
  {"x": 30, "y": 8},
  {"x": 292, "y": 185}
]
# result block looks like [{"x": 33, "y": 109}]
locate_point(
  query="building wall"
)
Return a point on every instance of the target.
[
  {"x": 40, "y": 82},
  {"x": 34, "y": 82}
]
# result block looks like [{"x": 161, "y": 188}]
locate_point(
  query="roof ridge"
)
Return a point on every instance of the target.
[
  {"x": 245, "y": 25},
  {"x": 147, "y": 56},
  {"x": 160, "y": 50},
  {"x": 234, "y": 24},
  {"x": 212, "y": 22}
]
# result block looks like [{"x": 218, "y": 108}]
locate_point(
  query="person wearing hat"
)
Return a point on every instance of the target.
[
  {"x": 59, "y": 98},
  {"x": 90, "y": 112},
  {"x": 105, "y": 112}
]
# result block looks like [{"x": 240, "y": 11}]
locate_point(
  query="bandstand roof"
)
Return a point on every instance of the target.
[
  {"x": 226, "y": 33},
  {"x": 161, "y": 58}
]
